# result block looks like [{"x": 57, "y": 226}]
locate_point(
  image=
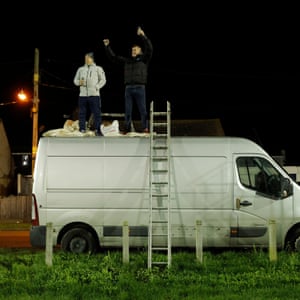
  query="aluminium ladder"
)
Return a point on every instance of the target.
[{"x": 159, "y": 235}]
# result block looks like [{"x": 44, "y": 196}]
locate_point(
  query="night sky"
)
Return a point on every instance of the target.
[{"x": 236, "y": 63}]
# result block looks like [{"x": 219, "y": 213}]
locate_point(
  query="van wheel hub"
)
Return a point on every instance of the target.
[{"x": 78, "y": 245}]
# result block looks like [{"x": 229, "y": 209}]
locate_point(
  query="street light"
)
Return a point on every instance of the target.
[{"x": 22, "y": 96}]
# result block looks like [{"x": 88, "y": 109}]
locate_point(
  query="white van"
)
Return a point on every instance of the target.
[{"x": 88, "y": 186}]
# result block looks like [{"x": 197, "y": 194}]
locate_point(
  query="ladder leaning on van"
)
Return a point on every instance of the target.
[{"x": 159, "y": 235}]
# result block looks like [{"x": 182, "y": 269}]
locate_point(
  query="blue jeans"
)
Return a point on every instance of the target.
[
  {"x": 135, "y": 93},
  {"x": 94, "y": 103}
]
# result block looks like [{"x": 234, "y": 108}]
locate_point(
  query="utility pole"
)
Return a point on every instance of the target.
[{"x": 35, "y": 107}]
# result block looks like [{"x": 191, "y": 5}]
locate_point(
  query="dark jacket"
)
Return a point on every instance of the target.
[{"x": 135, "y": 68}]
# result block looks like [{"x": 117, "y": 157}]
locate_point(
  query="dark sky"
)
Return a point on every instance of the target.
[{"x": 238, "y": 63}]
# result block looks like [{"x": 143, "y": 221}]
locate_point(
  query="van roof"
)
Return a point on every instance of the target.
[{"x": 128, "y": 146}]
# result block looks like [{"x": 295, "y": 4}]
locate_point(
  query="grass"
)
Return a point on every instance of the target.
[{"x": 221, "y": 275}]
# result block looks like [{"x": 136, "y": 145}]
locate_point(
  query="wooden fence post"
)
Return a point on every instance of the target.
[
  {"x": 272, "y": 241},
  {"x": 125, "y": 242},
  {"x": 199, "y": 241},
  {"x": 49, "y": 244}
]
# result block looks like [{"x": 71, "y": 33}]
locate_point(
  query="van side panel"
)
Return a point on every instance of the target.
[
  {"x": 89, "y": 173},
  {"x": 202, "y": 182},
  {"x": 104, "y": 182}
]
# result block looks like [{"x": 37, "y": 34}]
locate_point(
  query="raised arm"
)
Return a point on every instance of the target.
[
  {"x": 110, "y": 53},
  {"x": 148, "y": 47}
]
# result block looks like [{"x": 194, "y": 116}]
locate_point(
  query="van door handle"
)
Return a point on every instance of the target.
[{"x": 245, "y": 203}]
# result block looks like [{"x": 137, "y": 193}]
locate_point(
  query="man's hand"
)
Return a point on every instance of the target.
[
  {"x": 82, "y": 82},
  {"x": 140, "y": 31},
  {"x": 106, "y": 42}
]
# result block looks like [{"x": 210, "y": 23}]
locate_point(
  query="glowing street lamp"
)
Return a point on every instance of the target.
[{"x": 22, "y": 96}]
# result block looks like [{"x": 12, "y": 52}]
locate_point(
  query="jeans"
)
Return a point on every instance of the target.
[
  {"x": 137, "y": 93},
  {"x": 94, "y": 103}
]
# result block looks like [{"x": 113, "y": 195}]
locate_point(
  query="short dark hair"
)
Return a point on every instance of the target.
[
  {"x": 90, "y": 54},
  {"x": 136, "y": 45}
]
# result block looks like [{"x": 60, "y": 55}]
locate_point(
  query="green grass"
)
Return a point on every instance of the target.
[{"x": 223, "y": 275}]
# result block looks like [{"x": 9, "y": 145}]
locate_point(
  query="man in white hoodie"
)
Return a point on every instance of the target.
[{"x": 90, "y": 78}]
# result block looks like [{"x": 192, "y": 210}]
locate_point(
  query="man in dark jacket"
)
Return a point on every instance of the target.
[{"x": 135, "y": 77}]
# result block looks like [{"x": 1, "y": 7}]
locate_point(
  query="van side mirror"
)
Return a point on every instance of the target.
[{"x": 286, "y": 187}]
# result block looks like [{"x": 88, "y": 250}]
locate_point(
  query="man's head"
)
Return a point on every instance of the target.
[
  {"x": 89, "y": 58},
  {"x": 136, "y": 50}
]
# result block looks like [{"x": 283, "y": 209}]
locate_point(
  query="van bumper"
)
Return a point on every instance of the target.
[{"x": 38, "y": 236}]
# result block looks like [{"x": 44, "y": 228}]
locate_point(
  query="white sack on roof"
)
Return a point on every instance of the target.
[{"x": 71, "y": 128}]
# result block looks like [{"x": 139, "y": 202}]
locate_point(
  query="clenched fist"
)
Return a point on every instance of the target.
[
  {"x": 140, "y": 31},
  {"x": 106, "y": 42}
]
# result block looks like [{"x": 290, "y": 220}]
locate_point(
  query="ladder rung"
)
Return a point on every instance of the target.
[
  {"x": 160, "y": 183},
  {"x": 159, "y": 208},
  {"x": 159, "y": 262},
  {"x": 160, "y": 158},
  {"x": 159, "y": 234},
  {"x": 160, "y": 147},
  {"x": 160, "y": 135},
  {"x": 162, "y": 209},
  {"x": 159, "y": 171},
  {"x": 160, "y": 195},
  {"x": 160, "y": 248},
  {"x": 159, "y": 113},
  {"x": 158, "y": 124}
]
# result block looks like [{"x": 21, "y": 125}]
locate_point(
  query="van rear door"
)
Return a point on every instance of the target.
[{"x": 259, "y": 196}]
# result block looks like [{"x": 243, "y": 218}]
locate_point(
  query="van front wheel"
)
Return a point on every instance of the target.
[
  {"x": 78, "y": 240},
  {"x": 293, "y": 242}
]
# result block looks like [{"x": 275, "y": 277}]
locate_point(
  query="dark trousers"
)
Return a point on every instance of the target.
[
  {"x": 135, "y": 93},
  {"x": 94, "y": 104}
]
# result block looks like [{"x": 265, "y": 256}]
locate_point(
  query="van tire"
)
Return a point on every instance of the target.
[
  {"x": 293, "y": 242},
  {"x": 79, "y": 240}
]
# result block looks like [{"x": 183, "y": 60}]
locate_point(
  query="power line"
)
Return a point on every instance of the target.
[
  {"x": 59, "y": 79},
  {"x": 56, "y": 86}
]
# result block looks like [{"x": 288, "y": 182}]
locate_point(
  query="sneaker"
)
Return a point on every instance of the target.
[
  {"x": 98, "y": 133},
  {"x": 82, "y": 130}
]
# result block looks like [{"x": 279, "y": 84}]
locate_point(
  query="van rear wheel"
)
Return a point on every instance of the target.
[{"x": 78, "y": 240}]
